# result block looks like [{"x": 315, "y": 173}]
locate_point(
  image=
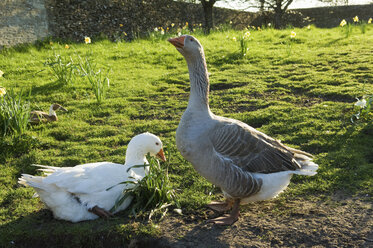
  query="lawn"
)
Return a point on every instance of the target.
[{"x": 299, "y": 90}]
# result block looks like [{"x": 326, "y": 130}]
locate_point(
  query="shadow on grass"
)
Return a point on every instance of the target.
[
  {"x": 46, "y": 89},
  {"x": 39, "y": 229},
  {"x": 345, "y": 162}
]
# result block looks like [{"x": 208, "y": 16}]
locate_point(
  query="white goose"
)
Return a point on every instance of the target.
[
  {"x": 80, "y": 193},
  {"x": 245, "y": 163}
]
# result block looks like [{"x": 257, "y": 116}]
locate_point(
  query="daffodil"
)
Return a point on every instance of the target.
[
  {"x": 356, "y": 19},
  {"x": 234, "y": 39},
  {"x": 1, "y": 73},
  {"x": 230, "y": 22},
  {"x": 343, "y": 23},
  {"x": 370, "y": 20},
  {"x": 156, "y": 29},
  {"x": 121, "y": 25},
  {"x": 269, "y": 24},
  {"x": 186, "y": 23},
  {"x": 361, "y": 103},
  {"x": 125, "y": 34},
  {"x": 172, "y": 25},
  {"x": 246, "y": 35},
  {"x": 50, "y": 43},
  {"x": 2, "y": 91},
  {"x": 87, "y": 40},
  {"x": 293, "y": 34},
  {"x": 162, "y": 32},
  {"x": 309, "y": 27},
  {"x": 259, "y": 28},
  {"x": 67, "y": 46}
]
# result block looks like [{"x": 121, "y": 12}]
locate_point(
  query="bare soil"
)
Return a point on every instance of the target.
[{"x": 336, "y": 221}]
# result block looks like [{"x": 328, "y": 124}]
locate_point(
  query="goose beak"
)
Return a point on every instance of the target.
[
  {"x": 62, "y": 108},
  {"x": 178, "y": 42},
  {"x": 160, "y": 155}
]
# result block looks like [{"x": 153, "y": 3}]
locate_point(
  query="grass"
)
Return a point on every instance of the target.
[
  {"x": 304, "y": 98},
  {"x": 14, "y": 114}
]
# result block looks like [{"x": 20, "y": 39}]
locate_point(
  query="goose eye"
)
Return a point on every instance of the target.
[{"x": 156, "y": 143}]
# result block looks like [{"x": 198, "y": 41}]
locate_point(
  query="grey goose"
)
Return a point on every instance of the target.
[{"x": 245, "y": 163}]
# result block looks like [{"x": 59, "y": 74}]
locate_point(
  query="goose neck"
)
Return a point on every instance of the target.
[
  {"x": 199, "y": 83},
  {"x": 52, "y": 112}
]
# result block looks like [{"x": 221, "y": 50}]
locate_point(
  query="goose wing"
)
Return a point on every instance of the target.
[
  {"x": 87, "y": 178},
  {"x": 250, "y": 149}
]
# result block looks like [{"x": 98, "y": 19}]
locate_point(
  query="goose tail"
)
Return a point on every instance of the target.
[{"x": 307, "y": 166}]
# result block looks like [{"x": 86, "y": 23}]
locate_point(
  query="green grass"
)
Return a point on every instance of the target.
[{"x": 304, "y": 98}]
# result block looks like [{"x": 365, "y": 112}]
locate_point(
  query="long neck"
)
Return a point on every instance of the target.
[
  {"x": 52, "y": 112},
  {"x": 199, "y": 83},
  {"x": 135, "y": 156}
]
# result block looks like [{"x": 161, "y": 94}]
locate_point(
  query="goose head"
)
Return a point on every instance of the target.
[
  {"x": 188, "y": 46},
  {"x": 54, "y": 107},
  {"x": 142, "y": 144}
]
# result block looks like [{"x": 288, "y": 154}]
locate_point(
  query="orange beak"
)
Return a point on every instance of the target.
[
  {"x": 177, "y": 42},
  {"x": 160, "y": 155}
]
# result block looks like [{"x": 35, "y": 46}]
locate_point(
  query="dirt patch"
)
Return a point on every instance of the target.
[{"x": 279, "y": 223}]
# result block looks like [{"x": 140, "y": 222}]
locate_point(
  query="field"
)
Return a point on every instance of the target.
[{"x": 299, "y": 90}]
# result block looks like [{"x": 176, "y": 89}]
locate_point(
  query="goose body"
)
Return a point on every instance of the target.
[
  {"x": 82, "y": 192},
  {"x": 37, "y": 116},
  {"x": 245, "y": 163}
]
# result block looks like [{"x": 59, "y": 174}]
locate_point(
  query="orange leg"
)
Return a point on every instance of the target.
[
  {"x": 100, "y": 212},
  {"x": 221, "y": 206},
  {"x": 228, "y": 219}
]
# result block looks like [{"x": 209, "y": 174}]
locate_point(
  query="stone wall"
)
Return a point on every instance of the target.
[
  {"x": 74, "y": 19},
  {"x": 24, "y": 21}
]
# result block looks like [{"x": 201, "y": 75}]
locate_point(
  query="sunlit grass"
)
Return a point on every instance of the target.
[{"x": 304, "y": 98}]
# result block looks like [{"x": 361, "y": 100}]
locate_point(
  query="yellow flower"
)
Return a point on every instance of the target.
[
  {"x": 121, "y": 25},
  {"x": 162, "y": 32},
  {"x": 356, "y": 19},
  {"x": 343, "y": 22},
  {"x": 172, "y": 25},
  {"x": 201, "y": 23},
  {"x": 230, "y": 22},
  {"x": 125, "y": 34},
  {"x": 1, "y": 73},
  {"x": 234, "y": 39},
  {"x": 50, "y": 43},
  {"x": 87, "y": 40},
  {"x": 259, "y": 28},
  {"x": 67, "y": 46},
  {"x": 309, "y": 27},
  {"x": 186, "y": 23},
  {"x": 156, "y": 29},
  {"x": 2, "y": 91},
  {"x": 370, "y": 20},
  {"x": 293, "y": 34}
]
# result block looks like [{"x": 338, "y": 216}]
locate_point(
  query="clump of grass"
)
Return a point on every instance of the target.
[
  {"x": 153, "y": 193},
  {"x": 14, "y": 113},
  {"x": 62, "y": 68},
  {"x": 99, "y": 83},
  {"x": 244, "y": 43}
]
